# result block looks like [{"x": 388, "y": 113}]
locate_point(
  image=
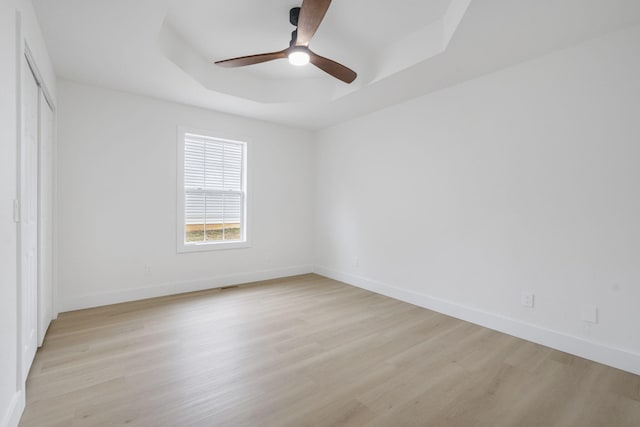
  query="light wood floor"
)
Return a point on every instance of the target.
[{"x": 308, "y": 351}]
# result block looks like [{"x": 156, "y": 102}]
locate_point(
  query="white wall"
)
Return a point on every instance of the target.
[
  {"x": 12, "y": 36},
  {"x": 117, "y": 199},
  {"x": 524, "y": 179}
]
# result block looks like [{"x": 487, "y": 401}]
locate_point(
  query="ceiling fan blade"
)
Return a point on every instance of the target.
[
  {"x": 337, "y": 70},
  {"x": 311, "y": 14},
  {"x": 251, "y": 59}
]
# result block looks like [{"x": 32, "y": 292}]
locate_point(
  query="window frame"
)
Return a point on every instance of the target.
[{"x": 181, "y": 245}]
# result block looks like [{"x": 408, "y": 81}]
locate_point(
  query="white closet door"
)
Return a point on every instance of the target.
[
  {"x": 45, "y": 223},
  {"x": 29, "y": 219}
]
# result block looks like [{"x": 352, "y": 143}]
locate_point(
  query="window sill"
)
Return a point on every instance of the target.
[{"x": 206, "y": 247}]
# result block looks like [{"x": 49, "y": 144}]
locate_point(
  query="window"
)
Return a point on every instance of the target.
[{"x": 212, "y": 195}]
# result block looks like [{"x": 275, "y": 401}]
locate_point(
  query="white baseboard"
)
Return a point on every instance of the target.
[
  {"x": 13, "y": 413},
  {"x": 173, "y": 288},
  {"x": 597, "y": 352}
]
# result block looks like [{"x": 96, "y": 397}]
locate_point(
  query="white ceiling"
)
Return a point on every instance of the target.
[{"x": 400, "y": 49}]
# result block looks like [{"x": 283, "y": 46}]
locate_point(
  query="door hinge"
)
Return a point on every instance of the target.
[{"x": 16, "y": 210}]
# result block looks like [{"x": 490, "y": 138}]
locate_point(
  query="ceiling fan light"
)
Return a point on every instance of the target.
[{"x": 298, "y": 57}]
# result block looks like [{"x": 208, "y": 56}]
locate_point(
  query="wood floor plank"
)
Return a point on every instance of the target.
[{"x": 308, "y": 351}]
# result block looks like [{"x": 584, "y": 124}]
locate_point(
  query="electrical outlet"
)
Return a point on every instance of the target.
[
  {"x": 147, "y": 270},
  {"x": 527, "y": 299}
]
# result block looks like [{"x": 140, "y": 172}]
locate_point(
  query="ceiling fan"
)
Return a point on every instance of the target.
[{"x": 306, "y": 19}]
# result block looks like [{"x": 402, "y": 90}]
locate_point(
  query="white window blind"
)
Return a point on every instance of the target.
[{"x": 214, "y": 189}]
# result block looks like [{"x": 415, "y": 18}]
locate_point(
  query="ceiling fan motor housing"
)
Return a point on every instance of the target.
[{"x": 294, "y": 13}]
